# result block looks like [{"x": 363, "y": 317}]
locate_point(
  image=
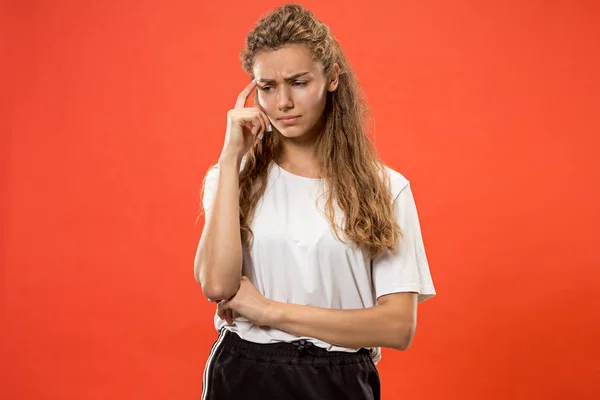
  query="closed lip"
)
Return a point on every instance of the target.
[{"x": 290, "y": 117}]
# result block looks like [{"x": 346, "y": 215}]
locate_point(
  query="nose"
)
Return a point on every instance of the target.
[{"x": 284, "y": 99}]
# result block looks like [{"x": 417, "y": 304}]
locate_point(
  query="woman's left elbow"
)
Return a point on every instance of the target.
[{"x": 403, "y": 336}]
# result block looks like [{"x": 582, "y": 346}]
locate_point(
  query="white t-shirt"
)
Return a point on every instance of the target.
[{"x": 296, "y": 258}]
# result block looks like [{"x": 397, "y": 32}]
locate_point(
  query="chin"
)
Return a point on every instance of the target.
[
  {"x": 292, "y": 131},
  {"x": 296, "y": 131}
]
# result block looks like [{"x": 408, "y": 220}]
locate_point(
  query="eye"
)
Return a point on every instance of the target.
[
  {"x": 299, "y": 83},
  {"x": 265, "y": 88}
]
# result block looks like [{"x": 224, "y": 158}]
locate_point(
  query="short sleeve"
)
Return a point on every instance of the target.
[
  {"x": 211, "y": 180},
  {"x": 210, "y": 188},
  {"x": 406, "y": 268}
]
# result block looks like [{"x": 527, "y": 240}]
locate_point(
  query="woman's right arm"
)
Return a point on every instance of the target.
[{"x": 218, "y": 262}]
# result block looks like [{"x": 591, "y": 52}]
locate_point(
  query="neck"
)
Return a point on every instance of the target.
[
  {"x": 298, "y": 154},
  {"x": 298, "y": 157}
]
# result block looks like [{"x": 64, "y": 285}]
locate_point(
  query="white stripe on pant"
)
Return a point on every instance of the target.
[{"x": 213, "y": 351}]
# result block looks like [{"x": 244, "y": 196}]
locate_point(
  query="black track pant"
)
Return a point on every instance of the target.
[{"x": 238, "y": 369}]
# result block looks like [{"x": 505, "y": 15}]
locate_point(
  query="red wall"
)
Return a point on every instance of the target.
[{"x": 112, "y": 112}]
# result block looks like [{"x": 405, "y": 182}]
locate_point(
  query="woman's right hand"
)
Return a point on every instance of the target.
[{"x": 243, "y": 125}]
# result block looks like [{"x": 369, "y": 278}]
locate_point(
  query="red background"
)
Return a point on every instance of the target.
[{"x": 113, "y": 111}]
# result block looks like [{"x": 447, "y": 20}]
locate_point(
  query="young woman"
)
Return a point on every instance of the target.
[{"x": 311, "y": 246}]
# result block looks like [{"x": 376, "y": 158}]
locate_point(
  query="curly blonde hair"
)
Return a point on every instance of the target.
[{"x": 347, "y": 160}]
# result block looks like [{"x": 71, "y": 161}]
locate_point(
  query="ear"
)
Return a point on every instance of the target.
[{"x": 334, "y": 78}]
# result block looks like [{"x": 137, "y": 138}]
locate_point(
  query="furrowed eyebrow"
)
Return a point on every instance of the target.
[{"x": 291, "y": 78}]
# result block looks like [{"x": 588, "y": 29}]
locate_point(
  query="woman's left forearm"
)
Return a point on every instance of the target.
[{"x": 379, "y": 326}]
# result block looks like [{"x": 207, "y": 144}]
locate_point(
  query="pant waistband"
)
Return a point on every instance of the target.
[{"x": 284, "y": 351}]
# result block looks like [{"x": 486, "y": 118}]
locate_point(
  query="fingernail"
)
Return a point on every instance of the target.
[
  {"x": 253, "y": 80},
  {"x": 260, "y": 136},
  {"x": 270, "y": 128}
]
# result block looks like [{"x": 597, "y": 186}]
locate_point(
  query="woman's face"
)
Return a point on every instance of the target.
[{"x": 292, "y": 89}]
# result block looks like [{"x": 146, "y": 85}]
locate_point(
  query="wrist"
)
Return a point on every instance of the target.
[
  {"x": 276, "y": 313},
  {"x": 229, "y": 159}
]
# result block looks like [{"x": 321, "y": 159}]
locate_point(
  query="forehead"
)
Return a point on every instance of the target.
[{"x": 284, "y": 62}]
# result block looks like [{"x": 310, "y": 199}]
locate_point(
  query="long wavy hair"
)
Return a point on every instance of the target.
[{"x": 347, "y": 160}]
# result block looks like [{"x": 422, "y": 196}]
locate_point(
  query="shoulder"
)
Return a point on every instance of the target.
[{"x": 398, "y": 182}]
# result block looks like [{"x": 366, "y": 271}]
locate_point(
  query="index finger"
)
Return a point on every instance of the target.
[{"x": 241, "y": 100}]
